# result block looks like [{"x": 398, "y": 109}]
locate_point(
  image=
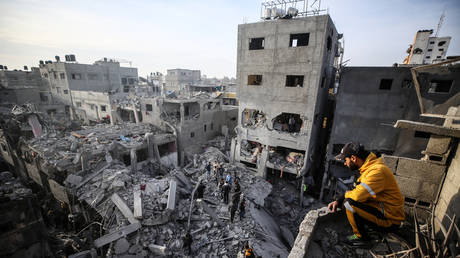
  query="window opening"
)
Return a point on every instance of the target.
[
  {"x": 256, "y": 43},
  {"x": 420, "y": 134},
  {"x": 254, "y": 79},
  {"x": 385, "y": 84},
  {"x": 440, "y": 86},
  {"x": 299, "y": 40},
  {"x": 148, "y": 107},
  {"x": 103, "y": 108},
  {"x": 441, "y": 43},
  {"x": 294, "y": 81}
]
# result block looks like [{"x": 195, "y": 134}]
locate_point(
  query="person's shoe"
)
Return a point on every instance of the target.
[{"x": 356, "y": 241}]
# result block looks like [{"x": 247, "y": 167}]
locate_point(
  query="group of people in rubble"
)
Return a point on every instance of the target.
[{"x": 226, "y": 183}]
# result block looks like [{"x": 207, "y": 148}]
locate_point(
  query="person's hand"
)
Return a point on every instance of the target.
[{"x": 332, "y": 207}]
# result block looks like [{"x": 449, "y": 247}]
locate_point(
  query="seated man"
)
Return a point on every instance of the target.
[{"x": 376, "y": 201}]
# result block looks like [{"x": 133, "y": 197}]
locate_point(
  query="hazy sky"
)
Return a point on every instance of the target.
[{"x": 158, "y": 35}]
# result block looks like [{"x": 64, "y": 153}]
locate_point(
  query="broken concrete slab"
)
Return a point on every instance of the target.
[
  {"x": 111, "y": 237},
  {"x": 121, "y": 246},
  {"x": 210, "y": 212},
  {"x": 429, "y": 128},
  {"x": 124, "y": 209},
  {"x": 137, "y": 204},
  {"x": 157, "y": 249},
  {"x": 425, "y": 170},
  {"x": 438, "y": 145},
  {"x": 171, "y": 196}
]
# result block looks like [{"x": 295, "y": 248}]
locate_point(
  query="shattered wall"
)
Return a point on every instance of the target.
[
  {"x": 264, "y": 83},
  {"x": 92, "y": 105},
  {"x": 196, "y": 120}
]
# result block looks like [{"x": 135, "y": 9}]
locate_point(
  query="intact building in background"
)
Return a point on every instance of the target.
[
  {"x": 105, "y": 75},
  {"x": 178, "y": 79},
  {"x": 284, "y": 72}
]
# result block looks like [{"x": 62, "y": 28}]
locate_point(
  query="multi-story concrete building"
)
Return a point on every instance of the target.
[
  {"x": 195, "y": 121},
  {"x": 178, "y": 79},
  {"x": 371, "y": 99},
  {"x": 103, "y": 76},
  {"x": 284, "y": 71},
  {"x": 426, "y": 49}
]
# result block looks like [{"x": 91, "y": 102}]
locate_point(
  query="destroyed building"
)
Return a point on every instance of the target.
[
  {"x": 105, "y": 75},
  {"x": 195, "y": 121},
  {"x": 371, "y": 99},
  {"x": 427, "y": 49},
  {"x": 284, "y": 71}
]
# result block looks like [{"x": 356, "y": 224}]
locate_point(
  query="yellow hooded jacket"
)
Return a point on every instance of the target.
[{"x": 378, "y": 188}]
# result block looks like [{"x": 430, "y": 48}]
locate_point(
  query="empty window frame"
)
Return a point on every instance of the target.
[
  {"x": 440, "y": 86},
  {"x": 76, "y": 76},
  {"x": 442, "y": 43},
  {"x": 429, "y": 50},
  {"x": 299, "y": 40},
  {"x": 103, "y": 108},
  {"x": 204, "y": 128},
  {"x": 43, "y": 97},
  {"x": 66, "y": 91},
  {"x": 255, "y": 79},
  {"x": 441, "y": 49},
  {"x": 385, "y": 84},
  {"x": 78, "y": 104},
  {"x": 62, "y": 76},
  {"x": 93, "y": 76},
  {"x": 420, "y": 134},
  {"x": 58, "y": 90},
  {"x": 148, "y": 107},
  {"x": 192, "y": 134},
  {"x": 256, "y": 43},
  {"x": 329, "y": 43},
  {"x": 407, "y": 84},
  {"x": 294, "y": 80}
]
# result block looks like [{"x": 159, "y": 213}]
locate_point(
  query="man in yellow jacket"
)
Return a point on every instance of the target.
[{"x": 376, "y": 201}]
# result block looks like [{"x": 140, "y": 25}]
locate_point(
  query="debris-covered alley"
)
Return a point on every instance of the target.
[{"x": 300, "y": 155}]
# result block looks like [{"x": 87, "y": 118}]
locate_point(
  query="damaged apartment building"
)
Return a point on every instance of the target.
[
  {"x": 100, "y": 79},
  {"x": 195, "y": 121},
  {"x": 285, "y": 68}
]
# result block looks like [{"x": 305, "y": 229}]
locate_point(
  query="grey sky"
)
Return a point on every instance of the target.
[{"x": 157, "y": 35}]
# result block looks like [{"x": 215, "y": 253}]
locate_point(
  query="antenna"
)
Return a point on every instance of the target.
[{"x": 441, "y": 19}]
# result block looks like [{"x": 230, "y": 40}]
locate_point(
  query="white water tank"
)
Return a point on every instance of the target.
[
  {"x": 268, "y": 13},
  {"x": 293, "y": 12}
]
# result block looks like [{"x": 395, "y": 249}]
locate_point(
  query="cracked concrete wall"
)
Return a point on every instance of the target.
[
  {"x": 274, "y": 63},
  {"x": 449, "y": 198}
]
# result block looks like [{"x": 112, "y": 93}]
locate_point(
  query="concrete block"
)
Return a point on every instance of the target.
[
  {"x": 59, "y": 192},
  {"x": 391, "y": 162},
  {"x": 438, "y": 144},
  {"x": 171, "y": 196},
  {"x": 124, "y": 209},
  {"x": 158, "y": 249},
  {"x": 34, "y": 173},
  {"x": 137, "y": 204},
  {"x": 122, "y": 232},
  {"x": 417, "y": 188},
  {"x": 424, "y": 170}
]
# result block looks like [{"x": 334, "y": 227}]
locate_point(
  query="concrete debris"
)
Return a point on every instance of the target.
[{"x": 121, "y": 246}]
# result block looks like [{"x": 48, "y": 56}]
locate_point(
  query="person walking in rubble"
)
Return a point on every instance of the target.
[
  {"x": 208, "y": 169},
  {"x": 237, "y": 188},
  {"x": 236, "y": 177},
  {"x": 242, "y": 208},
  {"x": 228, "y": 179},
  {"x": 233, "y": 210},
  {"x": 376, "y": 201},
  {"x": 226, "y": 191},
  {"x": 221, "y": 184}
]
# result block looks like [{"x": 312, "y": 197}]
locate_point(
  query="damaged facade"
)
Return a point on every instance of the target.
[
  {"x": 195, "y": 121},
  {"x": 284, "y": 71}
]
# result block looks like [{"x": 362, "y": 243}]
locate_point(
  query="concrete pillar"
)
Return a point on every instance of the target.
[
  {"x": 182, "y": 112},
  {"x": 261, "y": 169},
  {"x": 149, "y": 137},
  {"x": 232, "y": 150},
  {"x": 156, "y": 152},
  {"x": 111, "y": 114},
  {"x": 136, "y": 115},
  {"x": 84, "y": 161},
  {"x": 133, "y": 156},
  {"x": 171, "y": 196}
]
